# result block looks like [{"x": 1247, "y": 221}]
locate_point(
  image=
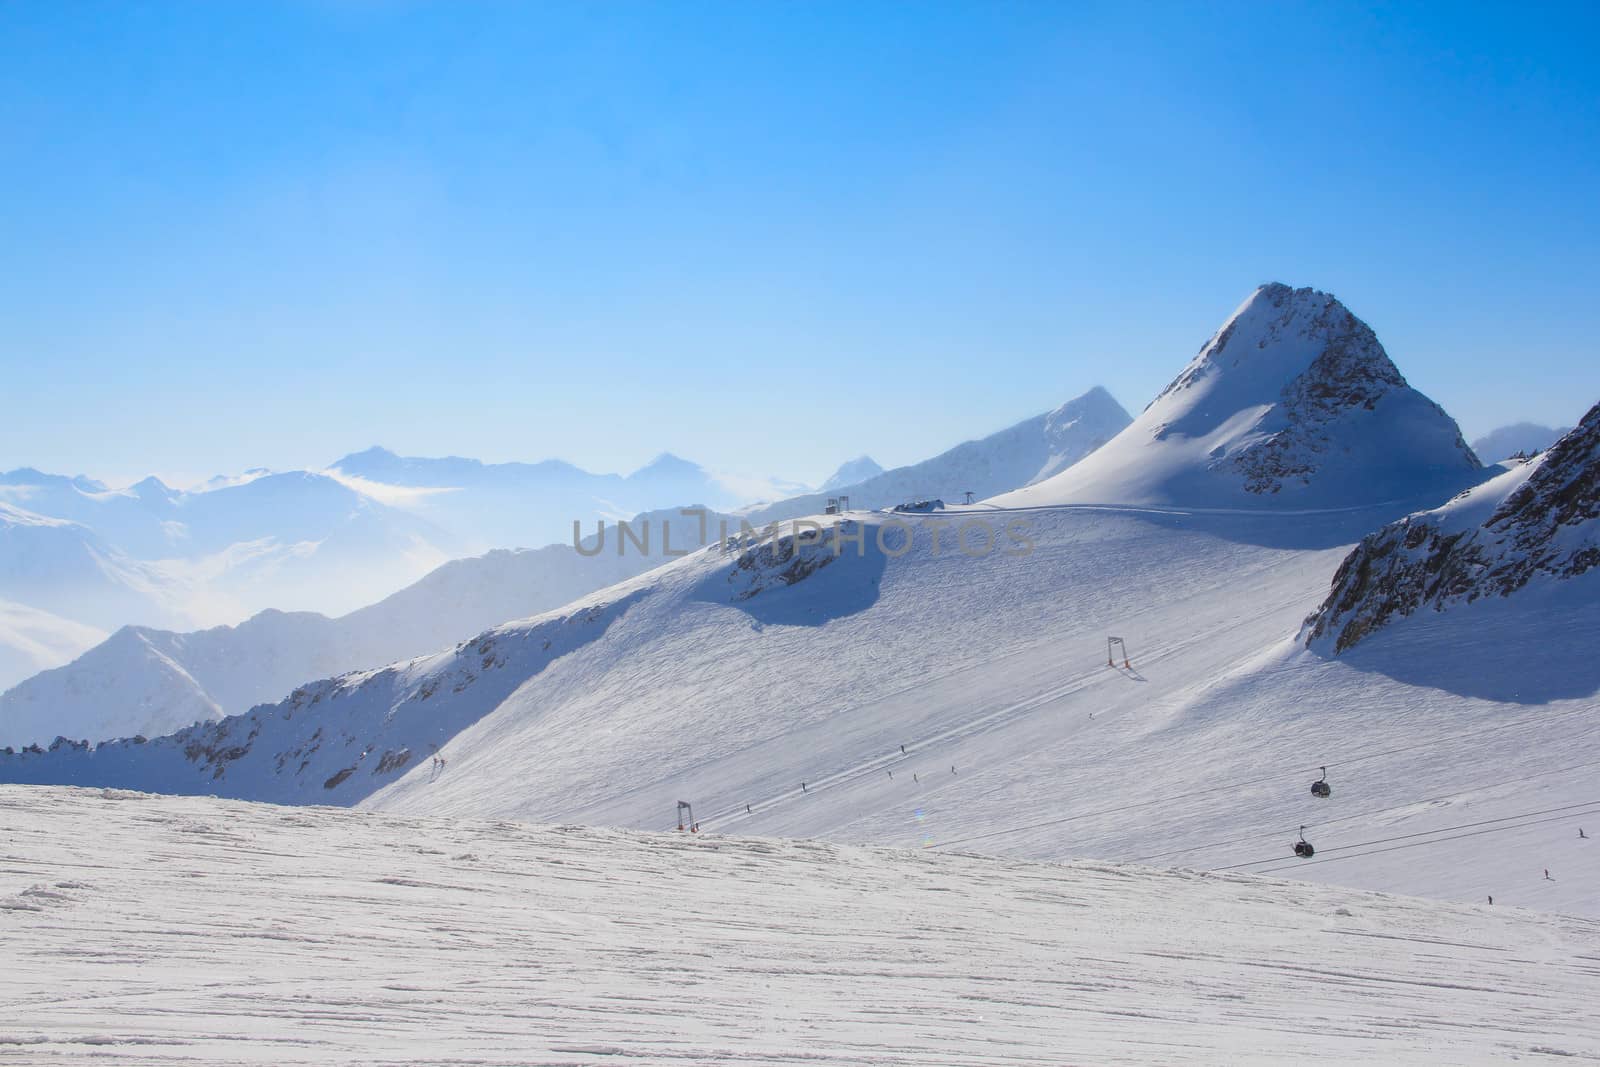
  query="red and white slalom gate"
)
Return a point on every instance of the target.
[{"x": 1113, "y": 644}]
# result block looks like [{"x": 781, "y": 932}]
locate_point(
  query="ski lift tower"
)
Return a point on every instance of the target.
[
  {"x": 686, "y": 817},
  {"x": 1112, "y": 645}
]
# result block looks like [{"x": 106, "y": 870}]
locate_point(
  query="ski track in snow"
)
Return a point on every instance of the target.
[{"x": 142, "y": 929}]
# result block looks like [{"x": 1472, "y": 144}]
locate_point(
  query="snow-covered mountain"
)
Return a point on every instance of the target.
[
  {"x": 1538, "y": 524},
  {"x": 61, "y": 588},
  {"x": 361, "y": 938},
  {"x": 851, "y": 472},
  {"x": 326, "y": 542},
  {"x": 1520, "y": 438},
  {"x": 131, "y": 519},
  {"x": 1293, "y": 403},
  {"x": 32, "y": 640},
  {"x": 776, "y": 696},
  {"x": 151, "y": 555},
  {"x": 1031, "y": 450},
  {"x": 954, "y": 692},
  {"x": 148, "y": 681},
  {"x": 144, "y": 681},
  {"x": 65, "y": 569},
  {"x": 150, "y": 521}
]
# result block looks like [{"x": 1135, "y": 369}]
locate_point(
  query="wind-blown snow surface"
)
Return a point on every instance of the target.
[
  {"x": 152, "y": 930},
  {"x": 1292, "y": 403}
]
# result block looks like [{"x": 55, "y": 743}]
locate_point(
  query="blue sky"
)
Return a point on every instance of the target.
[{"x": 764, "y": 236}]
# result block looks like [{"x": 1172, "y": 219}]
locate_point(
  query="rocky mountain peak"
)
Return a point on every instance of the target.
[
  {"x": 1539, "y": 520},
  {"x": 1293, "y": 400}
]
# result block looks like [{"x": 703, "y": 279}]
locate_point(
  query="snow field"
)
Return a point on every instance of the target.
[{"x": 168, "y": 930}]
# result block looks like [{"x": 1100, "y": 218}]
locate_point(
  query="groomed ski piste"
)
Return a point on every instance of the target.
[{"x": 143, "y": 929}]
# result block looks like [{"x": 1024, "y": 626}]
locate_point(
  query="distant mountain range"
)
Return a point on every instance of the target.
[
  {"x": 511, "y": 505},
  {"x": 1524, "y": 438},
  {"x": 94, "y": 559},
  {"x": 852, "y": 472},
  {"x": 1292, "y": 403},
  {"x": 1019, "y": 455},
  {"x": 147, "y": 681},
  {"x": 151, "y": 680},
  {"x": 152, "y": 555}
]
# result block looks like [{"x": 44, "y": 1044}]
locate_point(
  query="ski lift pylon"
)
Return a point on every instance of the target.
[
  {"x": 686, "y": 817},
  {"x": 1112, "y": 644}
]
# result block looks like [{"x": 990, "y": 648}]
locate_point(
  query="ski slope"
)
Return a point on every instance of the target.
[
  {"x": 153, "y": 930},
  {"x": 1021, "y": 741}
]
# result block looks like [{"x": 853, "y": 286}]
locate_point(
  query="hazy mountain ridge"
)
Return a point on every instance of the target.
[
  {"x": 1013, "y": 457},
  {"x": 851, "y": 472},
  {"x": 151, "y": 682},
  {"x": 1519, "y": 438},
  {"x": 331, "y": 542},
  {"x": 32, "y": 640},
  {"x": 514, "y": 505},
  {"x": 66, "y": 569},
  {"x": 227, "y": 670}
]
